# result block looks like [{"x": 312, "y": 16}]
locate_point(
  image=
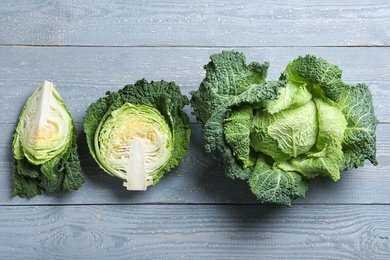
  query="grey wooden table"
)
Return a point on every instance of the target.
[{"x": 195, "y": 212}]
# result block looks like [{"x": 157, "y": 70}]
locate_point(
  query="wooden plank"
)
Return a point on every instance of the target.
[
  {"x": 195, "y": 232},
  {"x": 204, "y": 23},
  {"x": 199, "y": 179},
  {"x": 84, "y": 74}
]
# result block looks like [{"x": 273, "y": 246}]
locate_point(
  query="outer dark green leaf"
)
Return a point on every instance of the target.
[
  {"x": 359, "y": 141},
  {"x": 237, "y": 130},
  {"x": 318, "y": 73},
  {"x": 275, "y": 185},
  {"x": 227, "y": 76}
]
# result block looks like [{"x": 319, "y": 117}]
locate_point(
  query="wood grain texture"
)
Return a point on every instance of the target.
[
  {"x": 201, "y": 23},
  {"x": 195, "y": 232}
]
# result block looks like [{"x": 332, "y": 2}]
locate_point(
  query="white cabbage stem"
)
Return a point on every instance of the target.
[
  {"x": 136, "y": 170},
  {"x": 44, "y": 103}
]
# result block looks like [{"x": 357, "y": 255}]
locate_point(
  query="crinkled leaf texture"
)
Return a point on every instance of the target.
[
  {"x": 227, "y": 77},
  {"x": 278, "y": 135},
  {"x": 163, "y": 96},
  {"x": 359, "y": 141},
  {"x": 57, "y": 169}
]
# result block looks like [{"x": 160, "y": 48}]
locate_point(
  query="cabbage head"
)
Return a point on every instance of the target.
[
  {"x": 278, "y": 135},
  {"x": 44, "y": 146},
  {"x": 139, "y": 133}
]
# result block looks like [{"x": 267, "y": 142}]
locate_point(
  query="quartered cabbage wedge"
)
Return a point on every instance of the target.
[{"x": 44, "y": 146}]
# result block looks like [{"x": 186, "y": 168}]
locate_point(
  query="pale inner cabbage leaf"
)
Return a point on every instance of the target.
[
  {"x": 133, "y": 144},
  {"x": 45, "y": 126}
]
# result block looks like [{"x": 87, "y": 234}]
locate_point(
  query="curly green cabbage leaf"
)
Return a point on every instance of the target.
[
  {"x": 138, "y": 133},
  {"x": 278, "y": 135},
  {"x": 44, "y": 146}
]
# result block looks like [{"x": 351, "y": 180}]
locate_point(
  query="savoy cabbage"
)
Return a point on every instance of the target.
[{"x": 279, "y": 134}]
